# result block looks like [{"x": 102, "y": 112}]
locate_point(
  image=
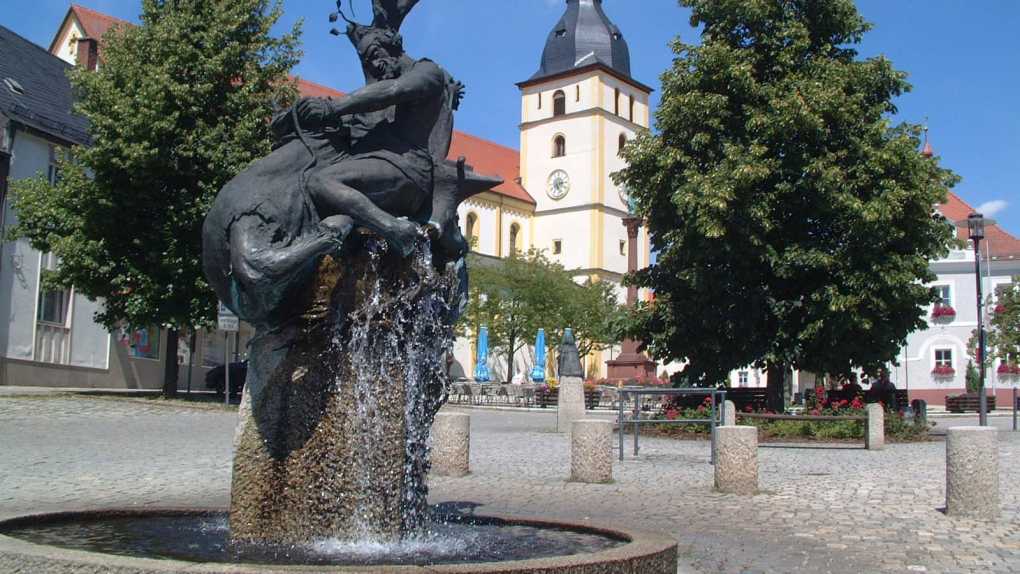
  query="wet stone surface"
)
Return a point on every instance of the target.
[{"x": 839, "y": 510}]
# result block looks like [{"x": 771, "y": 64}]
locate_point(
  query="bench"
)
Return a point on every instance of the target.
[{"x": 967, "y": 402}]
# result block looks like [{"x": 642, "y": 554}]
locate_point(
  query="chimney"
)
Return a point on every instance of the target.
[{"x": 88, "y": 53}]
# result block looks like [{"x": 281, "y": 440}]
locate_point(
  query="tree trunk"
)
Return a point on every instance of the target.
[
  {"x": 510, "y": 360},
  {"x": 170, "y": 367},
  {"x": 776, "y": 386}
]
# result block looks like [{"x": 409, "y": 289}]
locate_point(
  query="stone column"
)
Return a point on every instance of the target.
[
  {"x": 591, "y": 451},
  {"x": 972, "y": 473},
  {"x": 571, "y": 403},
  {"x": 729, "y": 414},
  {"x": 736, "y": 459},
  {"x": 451, "y": 444},
  {"x": 875, "y": 439},
  {"x": 630, "y": 363}
]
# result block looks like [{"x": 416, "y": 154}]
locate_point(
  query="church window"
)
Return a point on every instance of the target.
[
  {"x": 472, "y": 230},
  {"x": 539, "y": 101},
  {"x": 559, "y": 103},
  {"x": 616, "y": 102},
  {"x": 557, "y": 246},
  {"x": 559, "y": 146},
  {"x": 622, "y": 142},
  {"x": 577, "y": 93},
  {"x": 623, "y": 247},
  {"x": 515, "y": 238},
  {"x": 632, "y": 109}
]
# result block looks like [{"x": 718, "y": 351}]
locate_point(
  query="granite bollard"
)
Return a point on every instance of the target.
[
  {"x": 875, "y": 439},
  {"x": 591, "y": 451},
  {"x": 729, "y": 414},
  {"x": 571, "y": 403},
  {"x": 736, "y": 459},
  {"x": 451, "y": 444},
  {"x": 972, "y": 473}
]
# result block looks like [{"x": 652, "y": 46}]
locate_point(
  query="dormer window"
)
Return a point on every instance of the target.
[
  {"x": 561, "y": 33},
  {"x": 559, "y": 103},
  {"x": 14, "y": 86}
]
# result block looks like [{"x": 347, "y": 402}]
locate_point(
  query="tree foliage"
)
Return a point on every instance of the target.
[
  {"x": 178, "y": 106},
  {"x": 794, "y": 224},
  {"x": 517, "y": 296},
  {"x": 1004, "y": 335}
]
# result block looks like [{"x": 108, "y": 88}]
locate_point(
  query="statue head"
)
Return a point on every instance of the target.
[{"x": 379, "y": 50}]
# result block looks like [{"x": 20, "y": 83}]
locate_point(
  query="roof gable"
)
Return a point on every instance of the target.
[{"x": 1000, "y": 244}]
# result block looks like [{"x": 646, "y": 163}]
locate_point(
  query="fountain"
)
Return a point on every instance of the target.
[{"x": 342, "y": 248}]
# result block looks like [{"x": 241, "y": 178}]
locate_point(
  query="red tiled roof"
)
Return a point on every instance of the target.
[
  {"x": 1001, "y": 245},
  {"x": 483, "y": 156},
  {"x": 95, "y": 23}
]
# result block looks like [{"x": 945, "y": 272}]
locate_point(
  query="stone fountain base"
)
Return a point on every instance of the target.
[{"x": 635, "y": 553}]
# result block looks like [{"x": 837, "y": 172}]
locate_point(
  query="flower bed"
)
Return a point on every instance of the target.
[{"x": 897, "y": 427}]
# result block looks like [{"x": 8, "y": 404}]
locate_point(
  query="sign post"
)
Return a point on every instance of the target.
[{"x": 228, "y": 323}]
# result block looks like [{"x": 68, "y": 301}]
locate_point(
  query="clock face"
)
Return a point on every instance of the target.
[{"x": 558, "y": 185}]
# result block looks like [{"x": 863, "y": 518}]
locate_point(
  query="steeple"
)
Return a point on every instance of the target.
[{"x": 584, "y": 36}]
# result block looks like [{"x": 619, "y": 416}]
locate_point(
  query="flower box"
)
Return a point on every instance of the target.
[
  {"x": 941, "y": 371},
  {"x": 943, "y": 313}
]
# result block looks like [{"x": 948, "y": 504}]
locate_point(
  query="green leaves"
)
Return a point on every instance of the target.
[
  {"x": 178, "y": 106},
  {"x": 793, "y": 224}
]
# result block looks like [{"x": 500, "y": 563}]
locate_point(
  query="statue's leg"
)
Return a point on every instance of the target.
[{"x": 333, "y": 193}]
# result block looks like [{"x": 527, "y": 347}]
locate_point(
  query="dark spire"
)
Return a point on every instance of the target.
[{"x": 584, "y": 36}]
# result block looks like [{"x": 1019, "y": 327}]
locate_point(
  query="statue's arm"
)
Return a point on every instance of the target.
[{"x": 424, "y": 80}]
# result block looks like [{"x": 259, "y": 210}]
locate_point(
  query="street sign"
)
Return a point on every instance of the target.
[{"x": 227, "y": 320}]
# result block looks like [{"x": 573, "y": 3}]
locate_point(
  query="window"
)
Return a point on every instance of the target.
[
  {"x": 140, "y": 343},
  {"x": 557, "y": 246},
  {"x": 559, "y": 103},
  {"x": 742, "y": 378},
  {"x": 472, "y": 229},
  {"x": 515, "y": 238},
  {"x": 621, "y": 143},
  {"x": 945, "y": 297},
  {"x": 616, "y": 102},
  {"x": 53, "y": 304},
  {"x": 623, "y": 247},
  {"x": 539, "y": 101},
  {"x": 56, "y": 154},
  {"x": 944, "y": 358},
  {"x": 577, "y": 93},
  {"x": 559, "y": 146},
  {"x": 631, "y": 116}
]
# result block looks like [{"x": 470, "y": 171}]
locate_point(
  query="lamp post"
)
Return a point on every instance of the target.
[{"x": 976, "y": 231}]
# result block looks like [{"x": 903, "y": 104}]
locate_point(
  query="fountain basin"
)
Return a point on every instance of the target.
[{"x": 66, "y": 543}]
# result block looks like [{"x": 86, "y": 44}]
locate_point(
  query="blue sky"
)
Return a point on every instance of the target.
[{"x": 962, "y": 58}]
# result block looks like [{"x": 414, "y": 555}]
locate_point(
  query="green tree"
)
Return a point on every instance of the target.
[
  {"x": 793, "y": 222},
  {"x": 178, "y": 106},
  {"x": 1004, "y": 335},
  {"x": 517, "y": 296},
  {"x": 973, "y": 377}
]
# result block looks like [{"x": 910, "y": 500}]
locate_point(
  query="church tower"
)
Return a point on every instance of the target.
[{"x": 577, "y": 111}]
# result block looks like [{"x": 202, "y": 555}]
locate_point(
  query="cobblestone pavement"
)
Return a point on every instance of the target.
[{"x": 835, "y": 509}]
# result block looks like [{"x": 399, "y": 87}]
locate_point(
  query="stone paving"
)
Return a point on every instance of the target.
[{"x": 837, "y": 509}]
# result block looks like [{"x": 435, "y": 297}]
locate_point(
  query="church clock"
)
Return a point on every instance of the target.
[{"x": 558, "y": 184}]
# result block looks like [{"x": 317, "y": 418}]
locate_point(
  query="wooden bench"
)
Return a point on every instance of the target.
[{"x": 967, "y": 402}]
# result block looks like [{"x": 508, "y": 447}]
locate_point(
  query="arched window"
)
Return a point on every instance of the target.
[
  {"x": 559, "y": 103},
  {"x": 559, "y": 146},
  {"x": 472, "y": 230},
  {"x": 622, "y": 142},
  {"x": 515, "y": 238}
]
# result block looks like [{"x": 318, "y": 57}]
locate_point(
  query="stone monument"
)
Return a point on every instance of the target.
[
  {"x": 570, "y": 405},
  {"x": 342, "y": 249}
]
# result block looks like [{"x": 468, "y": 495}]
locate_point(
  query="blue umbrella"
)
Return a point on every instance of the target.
[
  {"x": 538, "y": 373},
  {"x": 482, "y": 368}
]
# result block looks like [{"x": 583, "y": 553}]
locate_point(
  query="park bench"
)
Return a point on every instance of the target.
[{"x": 967, "y": 402}]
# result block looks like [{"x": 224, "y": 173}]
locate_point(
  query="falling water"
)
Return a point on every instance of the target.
[{"x": 398, "y": 339}]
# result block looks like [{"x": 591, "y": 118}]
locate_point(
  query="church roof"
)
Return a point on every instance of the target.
[{"x": 583, "y": 37}]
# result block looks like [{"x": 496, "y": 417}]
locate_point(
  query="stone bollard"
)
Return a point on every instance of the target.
[
  {"x": 972, "y": 473},
  {"x": 570, "y": 406},
  {"x": 591, "y": 451},
  {"x": 736, "y": 459},
  {"x": 729, "y": 414},
  {"x": 451, "y": 444},
  {"x": 875, "y": 439}
]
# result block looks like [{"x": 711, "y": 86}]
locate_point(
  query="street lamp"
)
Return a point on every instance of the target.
[{"x": 976, "y": 231}]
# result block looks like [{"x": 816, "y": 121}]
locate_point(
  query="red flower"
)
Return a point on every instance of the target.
[
  {"x": 672, "y": 415},
  {"x": 1000, "y": 308},
  {"x": 748, "y": 409},
  {"x": 815, "y": 412},
  {"x": 943, "y": 371},
  {"x": 857, "y": 403},
  {"x": 943, "y": 311}
]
